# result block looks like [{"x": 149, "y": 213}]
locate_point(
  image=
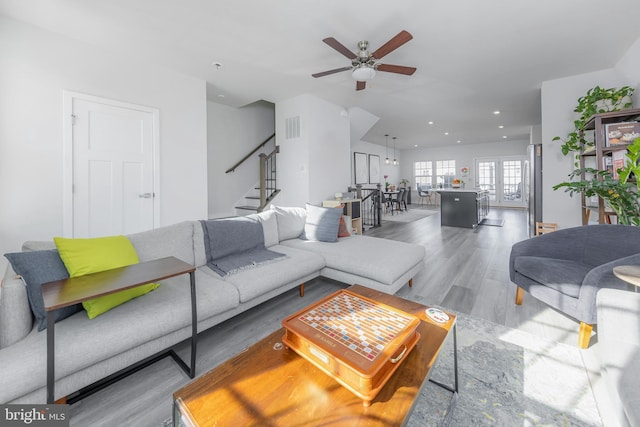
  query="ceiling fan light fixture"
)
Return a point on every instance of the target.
[{"x": 363, "y": 73}]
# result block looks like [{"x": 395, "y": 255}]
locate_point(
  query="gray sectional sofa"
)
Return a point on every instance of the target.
[{"x": 89, "y": 350}]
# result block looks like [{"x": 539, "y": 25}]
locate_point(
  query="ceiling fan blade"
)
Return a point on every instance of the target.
[
  {"x": 401, "y": 38},
  {"x": 399, "y": 69},
  {"x": 360, "y": 85},
  {"x": 339, "y": 47},
  {"x": 326, "y": 73}
]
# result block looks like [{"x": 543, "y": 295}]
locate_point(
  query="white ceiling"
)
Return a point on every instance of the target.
[{"x": 473, "y": 57}]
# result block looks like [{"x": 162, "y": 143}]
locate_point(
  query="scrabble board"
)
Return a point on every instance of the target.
[{"x": 358, "y": 341}]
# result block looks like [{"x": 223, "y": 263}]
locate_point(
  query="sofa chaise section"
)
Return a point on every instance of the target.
[{"x": 380, "y": 264}]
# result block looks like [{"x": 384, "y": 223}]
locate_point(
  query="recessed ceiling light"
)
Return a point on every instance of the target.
[
  {"x": 496, "y": 112},
  {"x": 416, "y": 145},
  {"x": 220, "y": 95},
  {"x": 504, "y": 136},
  {"x": 430, "y": 123},
  {"x": 446, "y": 133},
  {"x": 501, "y": 127},
  {"x": 458, "y": 141}
]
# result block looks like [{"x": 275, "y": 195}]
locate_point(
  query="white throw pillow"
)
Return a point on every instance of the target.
[{"x": 291, "y": 222}]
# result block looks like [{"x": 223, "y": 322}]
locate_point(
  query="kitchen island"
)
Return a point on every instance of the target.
[{"x": 463, "y": 208}]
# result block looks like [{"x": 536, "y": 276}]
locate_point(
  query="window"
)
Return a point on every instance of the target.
[
  {"x": 445, "y": 172},
  {"x": 423, "y": 172}
]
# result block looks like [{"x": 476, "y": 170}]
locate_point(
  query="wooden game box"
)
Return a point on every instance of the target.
[{"x": 356, "y": 340}]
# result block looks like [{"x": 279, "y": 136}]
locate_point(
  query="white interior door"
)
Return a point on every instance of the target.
[{"x": 114, "y": 177}]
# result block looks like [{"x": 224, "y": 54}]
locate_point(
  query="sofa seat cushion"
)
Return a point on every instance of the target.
[
  {"x": 81, "y": 342},
  {"x": 382, "y": 260},
  {"x": 561, "y": 275},
  {"x": 296, "y": 266}
]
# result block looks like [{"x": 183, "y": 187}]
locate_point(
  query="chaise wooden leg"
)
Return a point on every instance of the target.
[
  {"x": 585, "y": 335},
  {"x": 519, "y": 295},
  {"x": 301, "y": 289},
  {"x": 411, "y": 282}
]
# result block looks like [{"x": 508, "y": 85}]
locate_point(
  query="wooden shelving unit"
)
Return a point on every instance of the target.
[
  {"x": 352, "y": 208},
  {"x": 597, "y": 123}
]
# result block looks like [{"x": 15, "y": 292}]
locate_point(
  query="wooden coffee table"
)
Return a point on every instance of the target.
[{"x": 269, "y": 384}]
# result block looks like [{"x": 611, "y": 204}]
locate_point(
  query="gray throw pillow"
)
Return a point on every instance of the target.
[
  {"x": 322, "y": 224},
  {"x": 37, "y": 268}
]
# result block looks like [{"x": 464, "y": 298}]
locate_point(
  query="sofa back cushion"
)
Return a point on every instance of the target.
[
  {"x": 173, "y": 240},
  {"x": 269, "y": 226},
  {"x": 291, "y": 221}
]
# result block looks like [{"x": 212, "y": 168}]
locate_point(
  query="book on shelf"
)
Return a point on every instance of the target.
[
  {"x": 617, "y": 158},
  {"x": 621, "y": 133},
  {"x": 607, "y": 164}
]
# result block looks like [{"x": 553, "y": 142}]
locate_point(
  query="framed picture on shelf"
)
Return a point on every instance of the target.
[
  {"x": 374, "y": 169},
  {"x": 360, "y": 167}
]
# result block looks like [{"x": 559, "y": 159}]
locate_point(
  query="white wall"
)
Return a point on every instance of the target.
[
  {"x": 559, "y": 98},
  {"x": 232, "y": 134},
  {"x": 463, "y": 154},
  {"x": 392, "y": 171},
  {"x": 35, "y": 67},
  {"x": 314, "y": 166}
]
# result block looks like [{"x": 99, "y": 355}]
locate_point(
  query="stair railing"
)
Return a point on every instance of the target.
[
  {"x": 268, "y": 182},
  {"x": 262, "y": 144},
  {"x": 371, "y": 208}
]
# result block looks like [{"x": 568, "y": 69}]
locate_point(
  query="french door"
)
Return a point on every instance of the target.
[{"x": 503, "y": 178}]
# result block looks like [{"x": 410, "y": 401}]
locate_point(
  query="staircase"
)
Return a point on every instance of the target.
[{"x": 259, "y": 197}]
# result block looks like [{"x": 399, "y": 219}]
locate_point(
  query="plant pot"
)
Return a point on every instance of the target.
[{"x": 607, "y": 105}]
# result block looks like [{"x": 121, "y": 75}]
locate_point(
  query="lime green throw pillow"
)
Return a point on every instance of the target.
[{"x": 86, "y": 256}]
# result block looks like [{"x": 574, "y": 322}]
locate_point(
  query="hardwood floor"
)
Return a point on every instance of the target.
[{"x": 466, "y": 270}]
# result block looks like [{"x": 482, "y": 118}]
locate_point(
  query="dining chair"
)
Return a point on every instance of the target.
[
  {"x": 422, "y": 195},
  {"x": 396, "y": 200},
  {"x": 405, "y": 196}
]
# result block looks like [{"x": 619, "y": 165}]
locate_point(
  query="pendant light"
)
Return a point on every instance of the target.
[
  {"x": 386, "y": 135},
  {"x": 395, "y": 161}
]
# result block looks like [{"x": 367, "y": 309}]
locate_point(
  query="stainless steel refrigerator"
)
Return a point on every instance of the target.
[{"x": 533, "y": 185}]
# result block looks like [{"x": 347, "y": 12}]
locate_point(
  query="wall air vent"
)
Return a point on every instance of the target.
[{"x": 292, "y": 127}]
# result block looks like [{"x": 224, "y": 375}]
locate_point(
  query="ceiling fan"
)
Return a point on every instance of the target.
[{"x": 364, "y": 64}]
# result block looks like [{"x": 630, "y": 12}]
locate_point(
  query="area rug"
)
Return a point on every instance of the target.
[
  {"x": 492, "y": 222},
  {"x": 508, "y": 378},
  {"x": 409, "y": 215}
]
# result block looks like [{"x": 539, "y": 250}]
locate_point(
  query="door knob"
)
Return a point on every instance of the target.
[{"x": 146, "y": 195}]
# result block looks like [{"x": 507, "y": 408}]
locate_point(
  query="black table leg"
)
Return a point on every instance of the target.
[
  {"x": 194, "y": 324},
  {"x": 51, "y": 378},
  {"x": 454, "y": 389}
]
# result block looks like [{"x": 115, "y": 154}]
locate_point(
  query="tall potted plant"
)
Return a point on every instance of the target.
[{"x": 596, "y": 100}]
